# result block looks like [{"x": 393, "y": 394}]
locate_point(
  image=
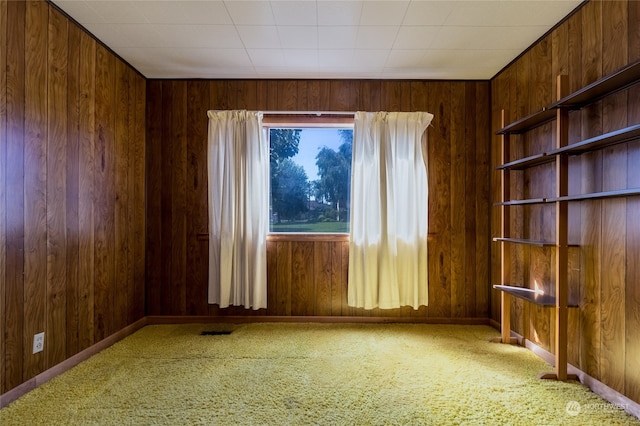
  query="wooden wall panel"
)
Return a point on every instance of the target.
[
  {"x": 153, "y": 282},
  {"x": 197, "y": 220},
  {"x": 56, "y": 187},
  {"x": 482, "y": 176},
  {"x": 63, "y": 157},
  {"x": 458, "y": 198},
  {"x": 306, "y": 277},
  {"x": 121, "y": 190},
  {"x": 601, "y": 37},
  {"x": 177, "y": 136},
  {"x": 302, "y": 278},
  {"x": 322, "y": 280},
  {"x": 632, "y": 292},
  {"x": 3, "y": 178},
  {"x": 35, "y": 183},
  {"x": 104, "y": 187},
  {"x": 614, "y": 223},
  {"x": 86, "y": 209},
  {"x": 72, "y": 187},
  {"x": 14, "y": 290},
  {"x": 439, "y": 172},
  {"x": 591, "y": 219}
]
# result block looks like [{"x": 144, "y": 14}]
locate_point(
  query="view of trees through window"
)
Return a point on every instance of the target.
[{"x": 310, "y": 179}]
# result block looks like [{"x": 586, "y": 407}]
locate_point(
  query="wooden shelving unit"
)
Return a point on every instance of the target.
[
  {"x": 608, "y": 139},
  {"x": 610, "y": 84},
  {"x": 525, "y": 241},
  {"x": 522, "y": 202},
  {"x": 531, "y": 295},
  {"x": 529, "y": 122},
  {"x": 525, "y": 163},
  {"x": 558, "y": 111}
]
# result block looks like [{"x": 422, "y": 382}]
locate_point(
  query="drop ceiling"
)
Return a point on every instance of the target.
[{"x": 397, "y": 39}]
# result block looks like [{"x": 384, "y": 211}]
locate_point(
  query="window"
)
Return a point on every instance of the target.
[{"x": 310, "y": 177}]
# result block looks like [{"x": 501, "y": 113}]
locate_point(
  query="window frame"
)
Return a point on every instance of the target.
[{"x": 298, "y": 121}]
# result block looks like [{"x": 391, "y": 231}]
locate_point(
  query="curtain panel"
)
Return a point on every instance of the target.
[
  {"x": 238, "y": 181},
  {"x": 389, "y": 194}
]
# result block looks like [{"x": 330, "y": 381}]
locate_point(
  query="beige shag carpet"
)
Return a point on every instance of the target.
[{"x": 311, "y": 374}]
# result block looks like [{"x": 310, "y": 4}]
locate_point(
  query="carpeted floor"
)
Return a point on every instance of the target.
[{"x": 311, "y": 374}]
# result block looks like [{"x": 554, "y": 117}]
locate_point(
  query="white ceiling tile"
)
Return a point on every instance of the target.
[
  {"x": 127, "y": 35},
  {"x": 486, "y": 37},
  {"x": 468, "y": 59},
  {"x": 298, "y": 37},
  {"x": 413, "y": 37},
  {"x": 185, "y": 12},
  {"x": 221, "y": 57},
  {"x": 301, "y": 59},
  {"x": 508, "y": 13},
  {"x": 337, "y": 37},
  {"x": 194, "y": 63},
  {"x": 294, "y": 12},
  {"x": 229, "y": 72},
  {"x": 383, "y": 12},
  {"x": 335, "y": 58},
  {"x": 406, "y": 59},
  {"x": 80, "y": 10},
  {"x": 266, "y": 57},
  {"x": 370, "y": 58},
  {"x": 273, "y": 72},
  {"x": 376, "y": 37},
  {"x": 259, "y": 37},
  {"x": 540, "y": 12},
  {"x": 250, "y": 12},
  {"x": 118, "y": 12},
  {"x": 428, "y": 12},
  {"x": 334, "y": 13},
  {"x": 198, "y": 36}
]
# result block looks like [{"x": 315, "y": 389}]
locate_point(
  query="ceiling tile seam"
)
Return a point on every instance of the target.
[
  {"x": 235, "y": 27},
  {"x": 135, "y": 5}
]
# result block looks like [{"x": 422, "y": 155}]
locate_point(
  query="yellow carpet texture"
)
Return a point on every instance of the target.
[{"x": 311, "y": 374}]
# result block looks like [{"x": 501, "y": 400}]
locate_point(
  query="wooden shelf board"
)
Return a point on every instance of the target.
[
  {"x": 612, "y": 138},
  {"x": 621, "y": 79},
  {"x": 528, "y": 294},
  {"x": 523, "y": 163},
  {"x": 531, "y": 295},
  {"x": 598, "y": 195},
  {"x": 522, "y": 202},
  {"x": 525, "y": 241},
  {"x": 534, "y": 120}
]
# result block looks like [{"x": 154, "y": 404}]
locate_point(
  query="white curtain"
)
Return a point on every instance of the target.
[
  {"x": 388, "y": 238},
  {"x": 238, "y": 162}
]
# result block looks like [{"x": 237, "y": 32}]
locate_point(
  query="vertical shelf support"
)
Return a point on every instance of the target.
[
  {"x": 505, "y": 252},
  {"x": 562, "y": 244}
]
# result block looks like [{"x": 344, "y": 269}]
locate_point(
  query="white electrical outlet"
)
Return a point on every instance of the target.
[{"x": 38, "y": 342}]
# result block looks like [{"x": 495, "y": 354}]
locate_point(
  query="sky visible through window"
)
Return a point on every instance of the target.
[{"x": 311, "y": 141}]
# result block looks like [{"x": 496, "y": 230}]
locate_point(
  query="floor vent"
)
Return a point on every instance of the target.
[{"x": 215, "y": 333}]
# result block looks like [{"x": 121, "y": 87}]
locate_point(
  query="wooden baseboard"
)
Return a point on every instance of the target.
[
  {"x": 160, "y": 319},
  {"x": 69, "y": 363},
  {"x": 495, "y": 324}
]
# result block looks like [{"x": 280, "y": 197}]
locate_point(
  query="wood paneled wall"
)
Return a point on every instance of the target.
[
  {"x": 604, "y": 335},
  {"x": 72, "y": 165},
  {"x": 308, "y": 277}
]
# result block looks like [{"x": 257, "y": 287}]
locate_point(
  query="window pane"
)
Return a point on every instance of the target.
[{"x": 310, "y": 179}]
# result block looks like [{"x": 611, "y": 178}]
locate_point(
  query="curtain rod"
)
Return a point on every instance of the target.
[{"x": 318, "y": 113}]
